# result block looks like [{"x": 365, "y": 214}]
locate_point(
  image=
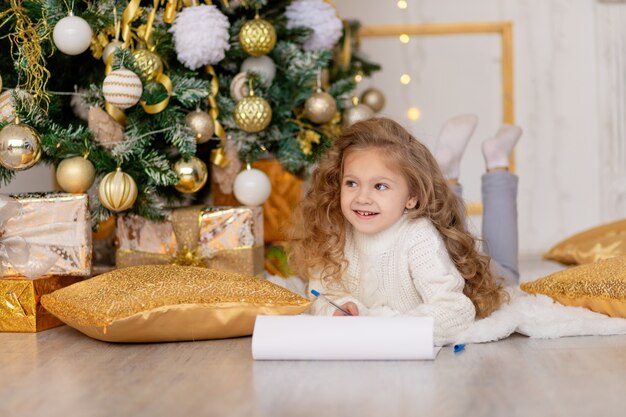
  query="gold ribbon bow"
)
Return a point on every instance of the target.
[
  {"x": 16, "y": 252},
  {"x": 186, "y": 223}
]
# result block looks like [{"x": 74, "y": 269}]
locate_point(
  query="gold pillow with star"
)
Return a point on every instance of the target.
[
  {"x": 166, "y": 303},
  {"x": 599, "y": 286},
  {"x": 602, "y": 242}
]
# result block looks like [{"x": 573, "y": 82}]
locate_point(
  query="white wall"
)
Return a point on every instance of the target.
[
  {"x": 38, "y": 178},
  {"x": 556, "y": 101}
]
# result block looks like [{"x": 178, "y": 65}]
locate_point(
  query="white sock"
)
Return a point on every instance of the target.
[
  {"x": 496, "y": 150},
  {"x": 452, "y": 141}
]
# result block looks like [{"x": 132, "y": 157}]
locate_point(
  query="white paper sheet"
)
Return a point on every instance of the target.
[{"x": 343, "y": 338}]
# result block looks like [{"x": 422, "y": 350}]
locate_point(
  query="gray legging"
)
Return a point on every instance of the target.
[{"x": 499, "y": 192}]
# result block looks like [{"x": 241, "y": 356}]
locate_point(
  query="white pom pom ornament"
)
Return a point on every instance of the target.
[
  {"x": 200, "y": 36},
  {"x": 319, "y": 16},
  {"x": 122, "y": 88}
]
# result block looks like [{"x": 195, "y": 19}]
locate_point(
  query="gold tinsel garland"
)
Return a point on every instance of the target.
[{"x": 27, "y": 38}]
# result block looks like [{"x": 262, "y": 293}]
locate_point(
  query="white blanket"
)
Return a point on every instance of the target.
[{"x": 537, "y": 316}]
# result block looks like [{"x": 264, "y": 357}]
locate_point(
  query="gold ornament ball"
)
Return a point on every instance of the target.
[
  {"x": 192, "y": 175},
  {"x": 75, "y": 175},
  {"x": 149, "y": 64},
  {"x": 374, "y": 99},
  {"x": 20, "y": 147},
  {"x": 356, "y": 114},
  {"x": 201, "y": 124},
  {"x": 257, "y": 37},
  {"x": 320, "y": 107},
  {"x": 252, "y": 114},
  {"x": 117, "y": 191}
]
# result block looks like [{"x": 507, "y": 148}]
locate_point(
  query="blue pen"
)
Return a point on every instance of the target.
[
  {"x": 459, "y": 348},
  {"x": 317, "y": 294}
]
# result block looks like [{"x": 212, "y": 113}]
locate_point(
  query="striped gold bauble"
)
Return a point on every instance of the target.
[
  {"x": 7, "y": 111},
  {"x": 238, "y": 87},
  {"x": 122, "y": 88},
  {"x": 252, "y": 114},
  {"x": 117, "y": 191},
  {"x": 257, "y": 37}
]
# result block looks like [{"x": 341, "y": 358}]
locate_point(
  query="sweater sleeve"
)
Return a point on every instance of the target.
[
  {"x": 440, "y": 286},
  {"x": 336, "y": 294}
]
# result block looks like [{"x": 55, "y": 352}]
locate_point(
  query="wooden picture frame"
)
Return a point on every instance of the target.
[{"x": 503, "y": 29}]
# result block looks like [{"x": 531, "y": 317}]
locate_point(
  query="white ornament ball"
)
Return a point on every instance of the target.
[
  {"x": 122, "y": 88},
  {"x": 7, "y": 111},
  {"x": 200, "y": 36},
  {"x": 252, "y": 187},
  {"x": 72, "y": 35},
  {"x": 318, "y": 16},
  {"x": 262, "y": 65},
  {"x": 109, "y": 49},
  {"x": 239, "y": 86}
]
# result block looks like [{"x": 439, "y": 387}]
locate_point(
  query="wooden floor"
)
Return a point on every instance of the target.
[{"x": 61, "y": 372}]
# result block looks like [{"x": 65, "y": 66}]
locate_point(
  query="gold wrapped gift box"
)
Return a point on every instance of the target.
[
  {"x": 222, "y": 238},
  {"x": 20, "y": 310},
  {"x": 56, "y": 228}
]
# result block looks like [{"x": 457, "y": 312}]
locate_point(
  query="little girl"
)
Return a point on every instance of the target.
[{"x": 380, "y": 232}]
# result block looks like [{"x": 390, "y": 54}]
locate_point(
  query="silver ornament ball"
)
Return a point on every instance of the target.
[{"x": 356, "y": 114}]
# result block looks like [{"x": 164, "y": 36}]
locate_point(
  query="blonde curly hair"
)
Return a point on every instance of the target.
[{"x": 318, "y": 231}]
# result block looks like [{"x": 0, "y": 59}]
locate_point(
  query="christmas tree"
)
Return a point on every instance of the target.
[{"x": 138, "y": 97}]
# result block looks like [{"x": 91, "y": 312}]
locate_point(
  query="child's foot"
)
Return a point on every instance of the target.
[
  {"x": 451, "y": 144},
  {"x": 497, "y": 150}
]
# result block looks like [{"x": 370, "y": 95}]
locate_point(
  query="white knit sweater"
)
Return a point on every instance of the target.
[{"x": 403, "y": 270}]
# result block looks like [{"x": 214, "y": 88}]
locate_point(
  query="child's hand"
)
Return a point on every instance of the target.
[{"x": 349, "y": 306}]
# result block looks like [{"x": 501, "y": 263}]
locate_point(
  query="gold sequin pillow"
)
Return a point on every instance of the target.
[
  {"x": 164, "y": 303},
  {"x": 602, "y": 242},
  {"x": 598, "y": 286}
]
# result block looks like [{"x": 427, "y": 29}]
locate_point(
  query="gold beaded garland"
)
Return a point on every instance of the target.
[
  {"x": 20, "y": 146},
  {"x": 192, "y": 174},
  {"x": 75, "y": 175},
  {"x": 257, "y": 37},
  {"x": 117, "y": 191},
  {"x": 201, "y": 124}
]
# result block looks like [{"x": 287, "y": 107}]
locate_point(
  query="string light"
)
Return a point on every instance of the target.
[
  {"x": 413, "y": 113},
  {"x": 404, "y": 38},
  {"x": 402, "y": 4},
  {"x": 405, "y": 79}
]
